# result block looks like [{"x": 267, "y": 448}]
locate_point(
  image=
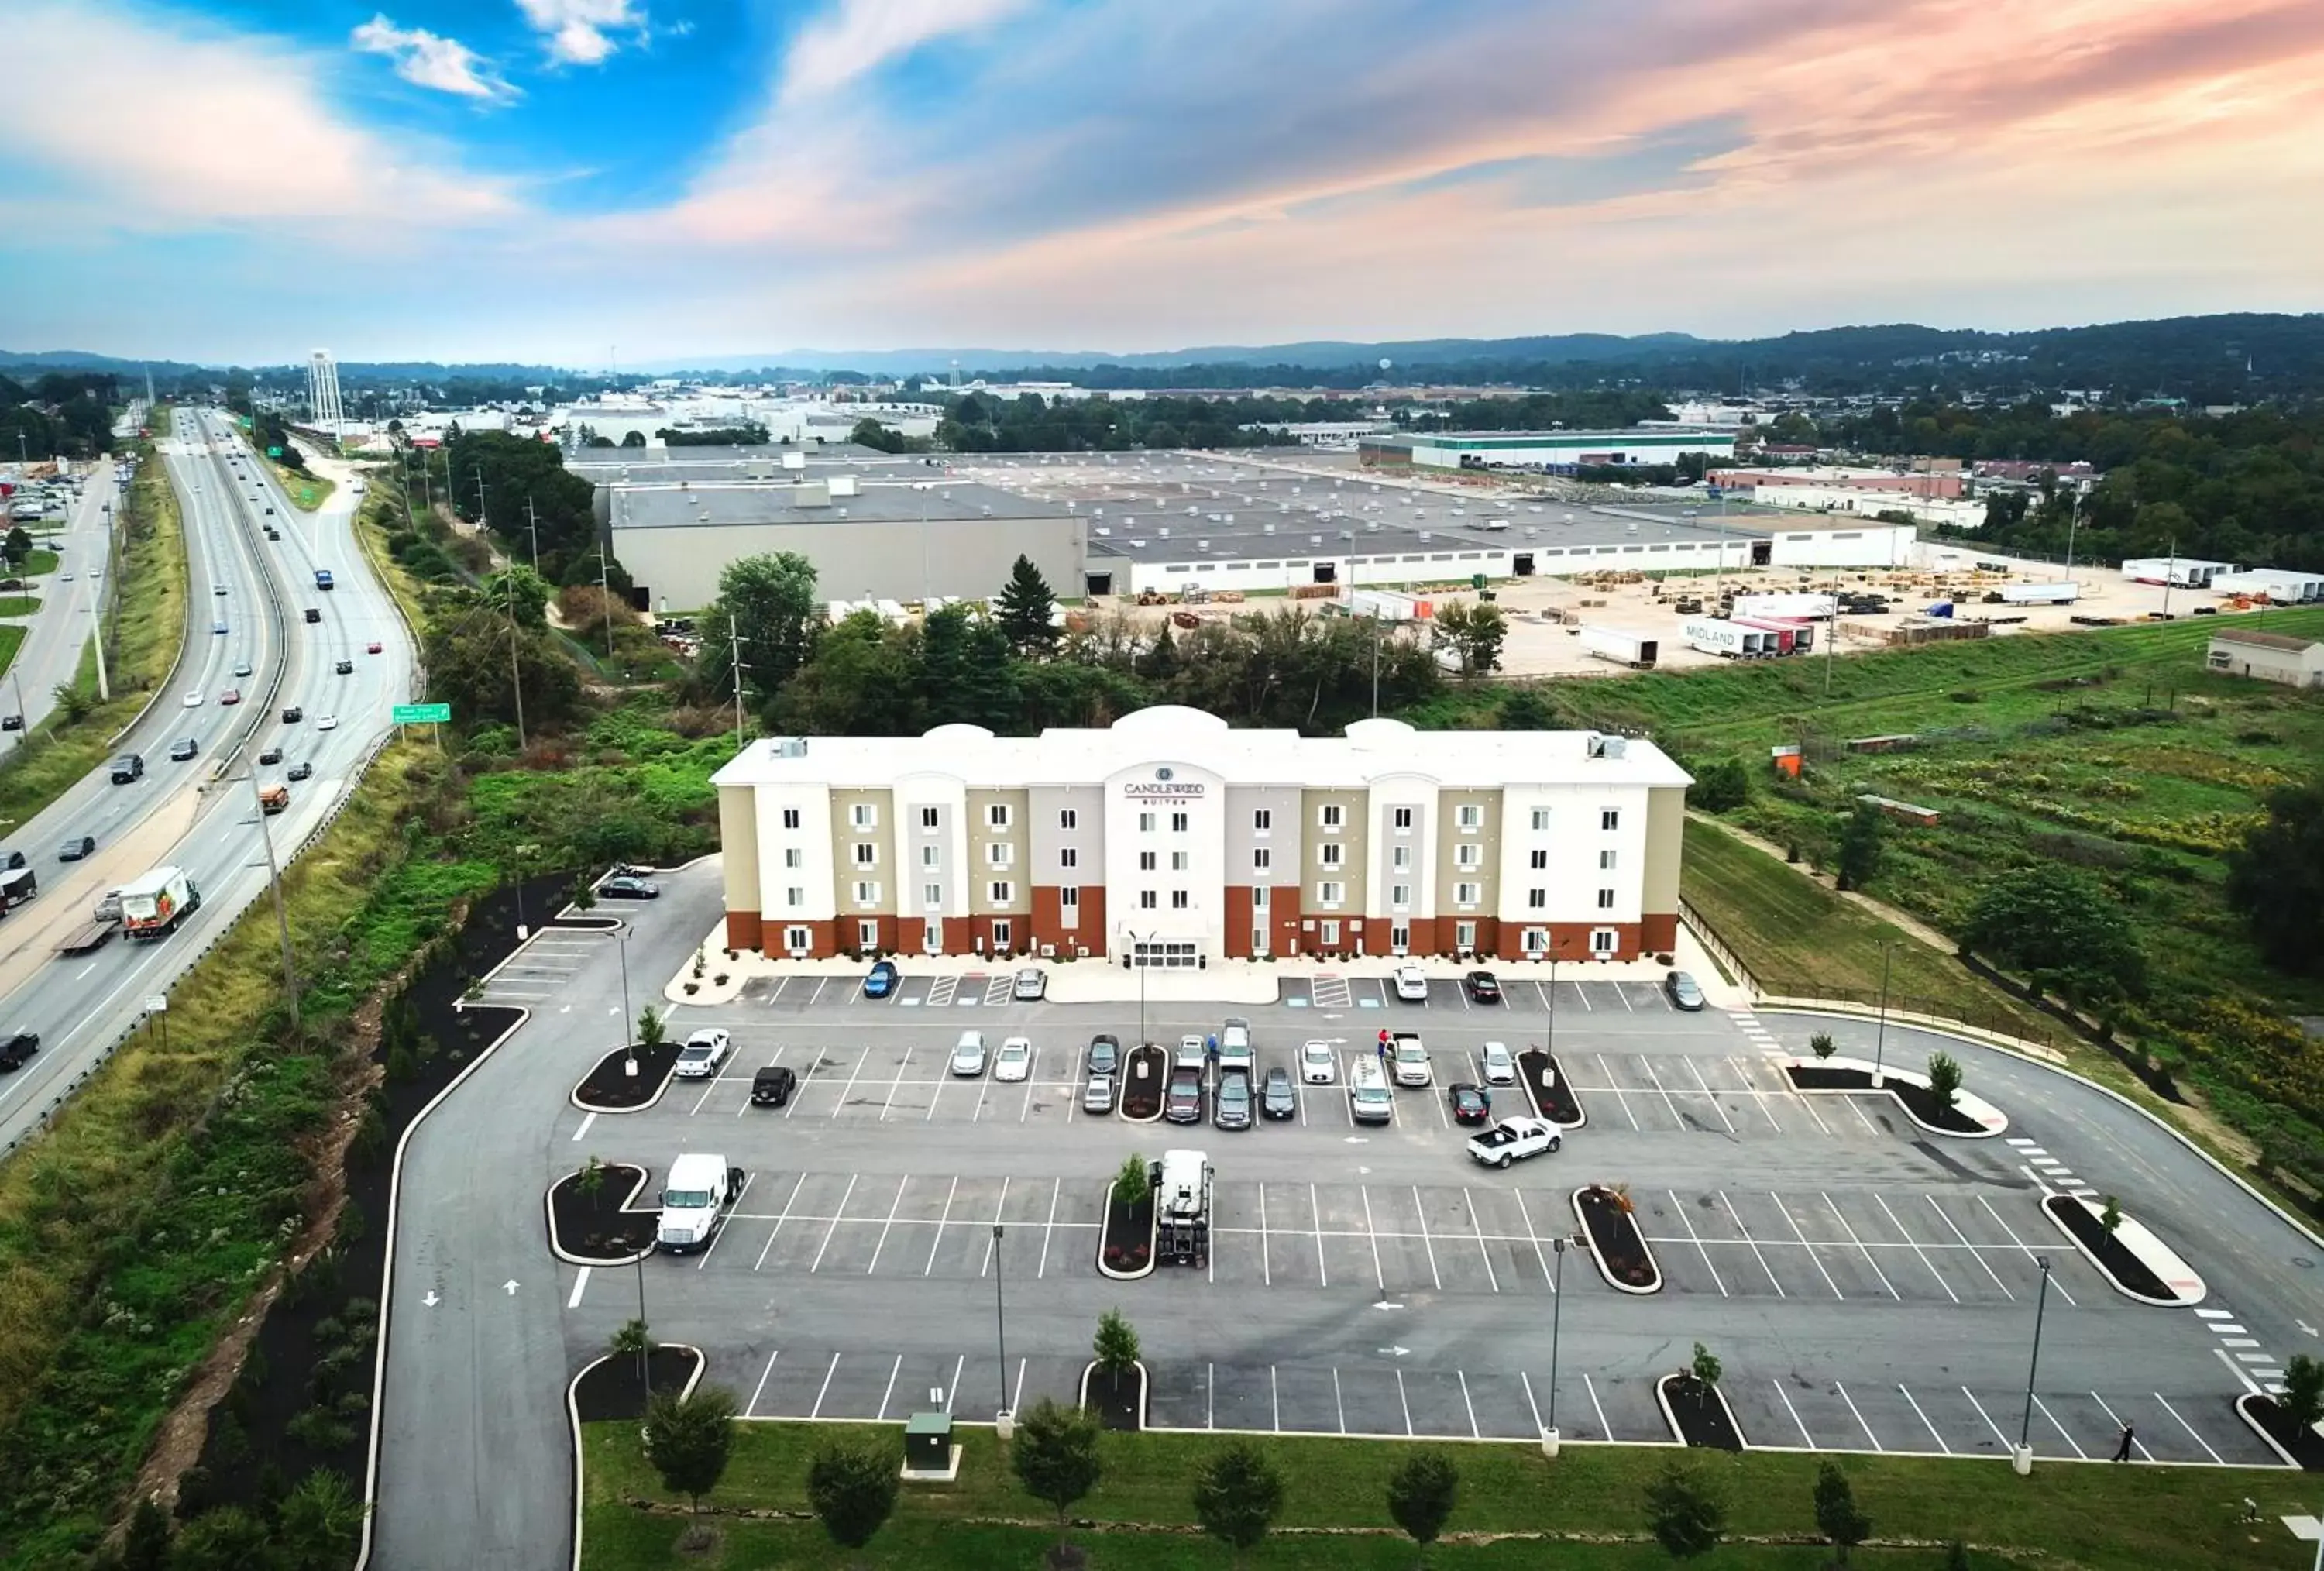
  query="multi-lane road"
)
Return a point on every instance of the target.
[
  {"x": 202, "y": 814},
  {"x": 69, "y": 598}
]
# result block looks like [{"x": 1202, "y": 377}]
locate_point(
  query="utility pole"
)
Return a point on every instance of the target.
[
  {"x": 532, "y": 525},
  {"x": 2170, "y": 573},
  {"x": 516, "y": 672},
  {"x": 735, "y": 654},
  {"x": 1376, "y": 643},
  {"x": 606, "y": 597},
  {"x": 480, "y": 499},
  {"x": 281, "y": 922}
]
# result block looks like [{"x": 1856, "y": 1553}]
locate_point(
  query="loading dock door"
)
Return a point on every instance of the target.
[
  {"x": 1327, "y": 572},
  {"x": 1521, "y": 563},
  {"x": 1762, "y": 552},
  {"x": 1097, "y": 584}
]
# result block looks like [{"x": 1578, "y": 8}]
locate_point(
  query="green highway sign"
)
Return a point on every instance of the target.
[
  {"x": 423, "y": 714},
  {"x": 274, "y": 452}
]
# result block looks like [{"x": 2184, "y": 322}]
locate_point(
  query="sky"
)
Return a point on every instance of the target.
[{"x": 605, "y": 182}]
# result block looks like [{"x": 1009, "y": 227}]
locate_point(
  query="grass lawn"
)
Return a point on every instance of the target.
[
  {"x": 11, "y": 639},
  {"x": 305, "y": 492},
  {"x": 2085, "y": 1516},
  {"x": 38, "y": 563},
  {"x": 18, "y": 605}
]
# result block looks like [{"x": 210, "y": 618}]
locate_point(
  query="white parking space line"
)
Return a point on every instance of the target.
[
  {"x": 1056, "y": 1187},
  {"x": 1615, "y": 1086},
  {"x": 895, "y": 1205},
  {"x": 1688, "y": 1222},
  {"x": 1323, "y": 1278},
  {"x": 952, "y": 1392},
  {"x": 1483, "y": 1253},
  {"x": 1527, "y": 1381},
  {"x": 1210, "y": 1396},
  {"x": 1810, "y": 1253},
  {"x": 587, "y": 1120},
  {"x": 2062, "y": 1433},
  {"x": 817, "y": 1412},
  {"x": 1622, "y": 993},
  {"x": 937, "y": 1242},
  {"x": 1377, "y": 1273},
  {"x": 934, "y": 1096},
  {"x": 779, "y": 1224},
  {"x": 1860, "y": 1424},
  {"x": 1582, "y": 993},
  {"x": 580, "y": 1285},
  {"x": 1339, "y": 1402},
  {"x": 2026, "y": 1249},
  {"x": 1541, "y": 992},
  {"x": 1933, "y": 1435},
  {"x": 832, "y": 1226},
  {"x": 1426, "y": 1243},
  {"x": 1736, "y": 1217},
  {"x": 1926, "y": 1261},
  {"x": 991, "y": 1240},
  {"x": 849, "y": 1089},
  {"x": 1668, "y": 1101},
  {"x": 1266, "y": 1261},
  {"x": 2141, "y": 1445},
  {"x": 1546, "y": 1274},
  {"x": 1999, "y": 1438},
  {"x": 888, "y": 1395},
  {"x": 1274, "y": 1399},
  {"x": 720, "y": 1236},
  {"x": 1787, "y": 1396},
  {"x": 1592, "y": 1387},
  {"x": 815, "y": 997},
  {"x": 1474, "y": 1433},
  {"x": 760, "y": 1388},
  {"x": 1975, "y": 1254},
  {"x": 1759, "y": 1098},
  {"x": 1865, "y": 1252},
  {"x": 1715, "y": 1105}
]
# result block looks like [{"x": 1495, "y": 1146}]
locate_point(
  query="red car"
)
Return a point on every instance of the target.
[
  {"x": 371, "y": 648},
  {"x": 1471, "y": 1104},
  {"x": 231, "y": 696}
]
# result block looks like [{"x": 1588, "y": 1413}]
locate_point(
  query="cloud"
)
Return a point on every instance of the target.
[
  {"x": 857, "y": 37},
  {"x": 428, "y": 61},
  {"x": 578, "y": 30}
]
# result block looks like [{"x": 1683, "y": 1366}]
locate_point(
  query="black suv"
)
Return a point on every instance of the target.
[
  {"x": 313, "y": 615},
  {"x": 184, "y": 748},
  {"x": 128, "y": 767},
  {"x": 18, "y": 1048},
  {"x": 772, "y": 1085},
  {"x": 1184, "y": 1103}
]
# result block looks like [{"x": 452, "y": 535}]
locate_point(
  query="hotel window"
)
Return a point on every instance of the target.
[
  {"x": 1402, "y": 818},
  {"x": 1330, "y": 815},
  {"x": 1068, "y": 857},
  {"x": 996, "y": 815},
  {"x": 1399, "y": 895},
  {"x": 867, "y": 935},
  {"x": 1464, "y": 936},
  {"x": 1464, "y": 894},
  {"x": 794, "y": 857},
  {"x": 795, "y": 897},
  {"x": 1330, "y": 853},
  {"x": 1539, "y": 861},
  {"x": 1178, "y": 860},
  {"x": 931, "y": 855},
  {"x": 1000, "y": 892},
  {"x": 1603, "y": 941},
  {"x": 1069, "y": 897},
  {"x": 1259, "y": 898},
  {"x": 797, "y": 939},
  {"x": 1003, "y": 935},
  {"x": 932, "y": 894},
  {"x": 1605, "y": 861},
  {"x": 1537, "y": 942},
  {"x": 1146, "y": 861},
  {"x": 1000, "y": 856},
  {"x": 790, "y": 818},
  {"x": 1609, "y": 818},
  {"x": 929, "y": 819},
  {"x": 1540, "y": 820},
  {"x": 1467, "y": 855},
  {"x": 1536, "y": 900},
  {"x": 1469, "y": 815},
  {"x": 1067, "y": 819},
  {"x": 1179, "y": 899},
  {"x": 1605, "y": 900},
  {"x": 1330, "y": 893},
  {"x": 1178, "y": 822},
  {"x": 1145, "y": 900},
  {"x": 1327, "y": 933},
  {"x": 1145, "y": 823},
  {"x": 863, "y": 816},
  {"x": 867, "y": 853},
  {"x": 867, "y": 892},
  {"x": 1262, "y": 819},
  {"x": 1261, "y": 859},
  {"x": 1400, "y": 857}
]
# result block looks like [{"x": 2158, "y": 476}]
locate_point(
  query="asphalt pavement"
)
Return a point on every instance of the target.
[
  {"x": 202, "y": 814},
  {"x": 1870, "y": 1288},
  {"x": 56, "y": 634}
]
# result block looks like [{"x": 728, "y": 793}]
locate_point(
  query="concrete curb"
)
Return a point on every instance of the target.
[
  {"x": 573, "y": 1416},
  {"x": 169, "y": 678},
  {"x": 1963, "y": 1101},
  {"x": 1159, "y": 1106},
  {"x": 1662, "y": 1400},
  {"x": 1153, "y": 1237},
  {"x": 1145, "y": 1386},
  {"x": 2124, "y": 1237},
  {"x": 387, "y": 1280},
  {"x": 573, "y": 1096},
  {"x": 1590, "y": 1241},
  {"x": 2270, "y": 1441},
  {"x": 1534, "y": 1098},
  {"x": 557, "y": 1248}
]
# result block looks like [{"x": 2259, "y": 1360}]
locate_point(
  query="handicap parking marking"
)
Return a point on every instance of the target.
[
  {"x": 999, "y": 989},
  {"x": 941, "y": 989}
]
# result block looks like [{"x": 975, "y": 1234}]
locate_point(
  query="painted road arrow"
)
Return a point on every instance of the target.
[
  {"x": 1396, "y": 1352},
  {"x": 509, "y": 1286},
  {"x": 431, "y": 1300}
]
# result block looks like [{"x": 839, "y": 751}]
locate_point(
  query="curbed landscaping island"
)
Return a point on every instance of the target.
[
  {"x": 1551, "y": 1093},
  {"x": 1698, "y": 1413},
  {"x": 2140, "y": 1265},
  {"x": 1968, "y": 1117},
  {"x": 1126, "y": 1238},
  {"x": 610, "y": 1087},
  {"x": 1616, "y": 1243},
  {"x": 1144, "y": 1077},
  {"x": 1115, "y": 1397},
  {"x": 616, "y": 1386},
  {"x": 591, "y": 1221},
  {"x": 2298, "y": 1444}
]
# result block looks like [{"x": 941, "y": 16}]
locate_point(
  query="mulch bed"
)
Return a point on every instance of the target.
[
  {"x": 1119, "y": 1399},
  {"x": 1126, "y": 1242},
  {"x": 598, "y": 1227},
  {"x": 315, "y": 1350},
  {"x": 610, "y": 1088},
  {"x": 1614, "y": 1233},
  {"x": 614, "y": 1389},
  {"x": 1701, "y": 1415},
  {"x": 1556, "y": 1102},
  {"x": 2305, "y": 1446},
  {"x": 1146, "y": 1077},
  {"x": 1919, "y": 1100},
  {"x": 2112, "y": 1254}
]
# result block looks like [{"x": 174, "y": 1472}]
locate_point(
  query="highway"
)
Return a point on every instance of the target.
[
  {"x": 55, "y": 635},
  {"x": 202, "y": 814}
]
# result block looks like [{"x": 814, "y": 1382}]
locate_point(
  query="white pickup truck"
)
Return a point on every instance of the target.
[{"x": 1513, "y": 1140}]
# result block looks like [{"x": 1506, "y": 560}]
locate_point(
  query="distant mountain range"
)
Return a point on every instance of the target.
[{"x": 2221, "y": 358}]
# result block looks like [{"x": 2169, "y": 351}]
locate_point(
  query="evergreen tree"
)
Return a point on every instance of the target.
[
  {"x": 1421, "y": 1495},
  {"x": 1026, "y": 605},
  {"x": 1859, "y": 847},
  {"x": 1236, "y": 1495},
  {"x": 1837, "y": 1518}
]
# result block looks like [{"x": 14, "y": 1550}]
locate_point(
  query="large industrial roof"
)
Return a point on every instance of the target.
[{"x": 639, "y": 505}]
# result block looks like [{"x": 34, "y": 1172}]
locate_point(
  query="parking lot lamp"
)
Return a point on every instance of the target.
[
  {"x": 1556, "y": 1313},
  {"x": 1003, "y": 1424},
  {"x": 2022, "y": 1461},
  {"x": 629, "y": 1028},
  {"x": 645, "y": 1344},
  {"x": 1880, "y": 1040}
]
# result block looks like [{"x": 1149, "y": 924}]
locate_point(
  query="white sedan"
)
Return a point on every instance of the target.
[
  {"x": 1317, "y": 1063},
  {"x": 194, "y": 699},
  {"x": 703, "y": 1054},
  {"x": 1513, "y": 1140},
  {"x": 1412, "y": 985},
  {"x": 1014, "y": 1061},
  {"x": 1500, "y": 1067},
  {"x": 327, "y": 723}
]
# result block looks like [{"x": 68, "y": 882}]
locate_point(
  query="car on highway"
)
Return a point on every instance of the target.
[
  {"x": 271, "y": 755},
  {"x": 17, "y": 1047},
  {"x": 219, "y": 628},
  {"x": 1277, "y": 1097},
  {"x": 313, "y": 615},
  {"x": 301, "y": 771},
  {"x": 1231, "y": 1106},
  {"x": 1513, "y": 1140},
  {"x": 1483, "y": 986},
  {"x": 1097, "y": 1095},
  {"x": 1030, "y": 986},
  {"x": 1500, "y": 1066},
  {"x": 1014, "y": 1061},
  {"x": 1105, "y": 1054},
  {"x": 703, "y": 1054},
  {"x": 772, "y": 1085},
  {"x": 193, "y": 700},
  {"x": 1182, "y": 1103},
  {"x": 12, "y": 722},
  {"x": 293, "y": 715},
  {"x": 1412, "y": 985},
  {"x": 620, "y": 886},
  {"x": 968, "y": 1054},
  {"x": 327, "y": 723},
  {"x": 1317, "y": 1063},
  {"x": 373, "y": 646},
  {"x": 128, "y": 767},
  {"x": 183, "y": 748},
  {"x": 76, "y": 847},
  {"x": 230, "y": 698},
  {"x": 1470, "y": 1103},
  {"x": 881, "y": 979},
  {"x": 344, "y": 668},
  {"x": 242, "y": 669},
  {"x": 1682, "y": 991}
]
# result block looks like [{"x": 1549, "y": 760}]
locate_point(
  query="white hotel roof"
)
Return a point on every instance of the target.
[{"x": 1471, "y": 759}]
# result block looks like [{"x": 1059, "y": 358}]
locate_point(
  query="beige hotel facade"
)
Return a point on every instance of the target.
[{"x": 1169, "y": 838}]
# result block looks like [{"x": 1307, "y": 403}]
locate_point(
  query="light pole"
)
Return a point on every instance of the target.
[
  {"x": 1880, "y": 1040},
  {"x": 622, "y": 939},
  {"x": 1003, "y": 1421},
  {"x": 645, "y": 1338},
  {"x": 1556, "y": 1313},
  {"x": 2021, "y": 1462},
  {"x": 1138, "y": 962}
]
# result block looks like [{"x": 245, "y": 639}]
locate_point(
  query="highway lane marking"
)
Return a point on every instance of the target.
[
  {"x": 1925, "y": 1419},
  {"x": 887, "y": 1396},
  {"x": 1590, "y": 1386},
  {"x": 817, "y": 1412},
  {"x": 895, "y": 1206},
  {"x": 937, "y": 1241},
  {"x": 760, "y": 1388},
  {"x": 2116, "y": 1419},
  {"x": 1867, "y": 1254},
  {"x": 796, "y": 1187},
  {"x": 84, "y": 971},
  {"x": 580, "y": 1285},
  {"x": 1419, "y": 1211},
  {"x": 748, "y": 1179},
  {"x": 1678, "y": 1206},
  {"x": 587, "y": 1120},
  {"x": 1976, "y": 1252},
  {"x": 1881, "y": 1202},
  {"x": 2060, "y": 1429},
  {"x": 1786, "y": 1398},
  {"x": 1981, "y": 1413}
]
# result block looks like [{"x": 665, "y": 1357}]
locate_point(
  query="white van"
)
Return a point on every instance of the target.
[
  {"x": 1369, "y": 1101},
  {"x": 694, "y": 1197}
]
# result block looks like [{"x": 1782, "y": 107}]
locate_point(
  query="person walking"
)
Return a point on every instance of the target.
[{"x": 2122, "y": 1448}]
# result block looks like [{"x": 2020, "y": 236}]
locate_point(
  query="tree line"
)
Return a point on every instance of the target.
[
  {"x": 61, "y": 415},
  {"x": 979, "y": 422}
]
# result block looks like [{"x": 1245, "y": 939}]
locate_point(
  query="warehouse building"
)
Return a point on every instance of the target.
[
  {"x": 1170, "y": 839},
  {"x": 2268, "y": 657},
  {"x": 1540, "y": 449}
]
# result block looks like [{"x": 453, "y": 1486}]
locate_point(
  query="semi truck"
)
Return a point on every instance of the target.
[
  {"x": 1784, "y": 638},
  {"x": 700, "y": 1190},
  {"x": 1714, "y": 636},
  {"x": 274, "y": 799},
  {"x": 2035, "y": 595},
  {"x": 152, "y": 906},
  {"x": 1816, "y": 607},
  {"x": 1181, "y": 1208},
  {"x": 17, "y": 885},
  {"x": 1629, "y": 649}
]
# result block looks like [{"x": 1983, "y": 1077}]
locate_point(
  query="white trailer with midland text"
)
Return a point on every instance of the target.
[{"x": 1713, "y": 636}]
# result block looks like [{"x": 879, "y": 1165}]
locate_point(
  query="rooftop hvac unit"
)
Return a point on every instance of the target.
[
  {"x": 844, "y": 486},
  {"x": 1314, "y": 540},
  {"x": 1163, "y": 532},
  {"x": 842, "y": 512},
  {"x": 1103, "y": 531},
  {"x": 794, "y": 460},
  {"x": 1424, "y": 537},
  {"x": 1531, "y": 531},
  {"x": 1569, "y": 518},
  {"x": 1267, "y": 529},
  {"x": 1230, "y": 518},
  {"x": 1533, "y": 510},
  {"x": 686, "y": 484},
  {"x": 1371, "y": 526},
  {"x": 1630, "y": 529},
  {"x": 1138, "y": 545},
  {"x": 1337, "y": 483},
  {"x": 1347, "y": 534},
  {"x": 1192, "y": 510},
  {"x": 988, "y": 513},
  {"x": 1202, "y": 545},
  {"x": 791, "y": 747}
]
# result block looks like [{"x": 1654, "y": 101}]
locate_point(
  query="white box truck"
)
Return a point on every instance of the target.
[
  {"x": 695, "y": 1198},
  {"x": 152, "y": 906},
  {"x": 1630, "y": 649}
]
